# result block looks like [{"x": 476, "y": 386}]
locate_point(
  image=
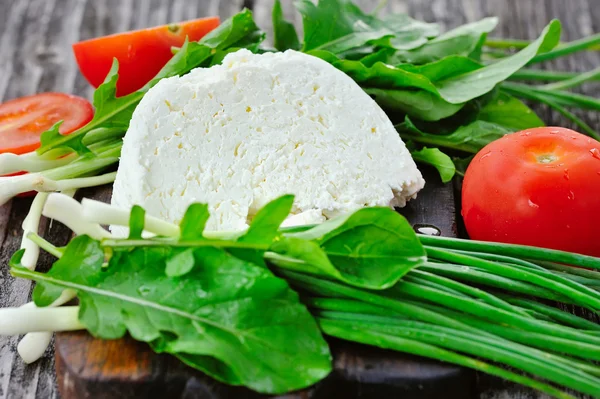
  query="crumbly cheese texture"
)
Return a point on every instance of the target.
[{"x": 240, "y": 134}]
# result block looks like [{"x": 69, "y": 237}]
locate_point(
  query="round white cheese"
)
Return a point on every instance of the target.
[{"x": 240, "y": 134}]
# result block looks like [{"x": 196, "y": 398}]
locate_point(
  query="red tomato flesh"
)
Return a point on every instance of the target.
[
  {"x": 538, "y": 187},
  {"x": 141, "y": 53},
  {"x": 23, "y": 120}
]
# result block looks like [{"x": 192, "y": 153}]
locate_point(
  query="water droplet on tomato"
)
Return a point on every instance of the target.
[
  {"x": 427, "y": 229},
  {"x": 566, "y": 175},
  {"x": 571, "y": 195},
  {"x": 487, "y": 154},
  {"x": 533, "y": 204},
  {"x": 595, "y": 153}
]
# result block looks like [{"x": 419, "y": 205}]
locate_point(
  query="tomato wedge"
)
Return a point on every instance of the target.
[
  {"x": 141, "y": 53},
  {"x": 24, "y": 119}
]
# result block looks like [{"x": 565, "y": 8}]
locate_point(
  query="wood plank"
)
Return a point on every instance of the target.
[{"x": 35, "y": 38}]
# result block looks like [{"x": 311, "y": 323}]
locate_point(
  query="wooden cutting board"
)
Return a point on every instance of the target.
[{"x": 91, "y": 368}]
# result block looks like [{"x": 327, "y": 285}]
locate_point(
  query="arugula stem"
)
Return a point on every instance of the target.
[
  {"x": 45, "y": 245},
  {"x": 552, "y": 344},
  {"x": 501, "y": 259},
  {"x": 564, "y": 98},
  {"x": 568, "y": 48},
  {"x": 591, "y": 274},
  {"x": 127, "y": 243},
  {"x": 92, "y": 125},
  {"x": 561, "y": 364},
  {"x": 544, "y": 99},
  {"x": 542, "y": 75},
  {"x": 488, "y": 312},
  {"x": 468, "y": 290},
  {"x": 514, "y": 250},
  {"x": 101, "y": 134},
  {"x": 556, "y": 314},
  {"x": 577, "y": 292},
  {"x": 329, "y": 288},
  {"x": 476, "y": 276},
  {"x": 577, "y": 80},
  {"x": 564, "y": 112},
  {"x": 364, "y": 334}
]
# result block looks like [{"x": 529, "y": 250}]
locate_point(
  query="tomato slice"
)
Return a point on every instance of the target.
[
  {"x": 24, "y": 119},
  {"x": 141, "y": 53}
]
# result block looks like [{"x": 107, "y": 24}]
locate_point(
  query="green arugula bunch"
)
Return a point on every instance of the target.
[
  {"x": 248, "y": 308},
  {"x": 448, "y": 93},
  {"x": 212, "y": 302}
]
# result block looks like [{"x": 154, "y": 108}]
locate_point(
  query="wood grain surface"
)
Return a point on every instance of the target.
[{"x": 35, "y": 56}]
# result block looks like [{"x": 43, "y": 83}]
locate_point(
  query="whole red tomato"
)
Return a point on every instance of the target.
[{"x": 537, "y": 187}]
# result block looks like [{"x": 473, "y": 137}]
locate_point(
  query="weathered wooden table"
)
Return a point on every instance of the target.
[{"x": 35, "y": 56}]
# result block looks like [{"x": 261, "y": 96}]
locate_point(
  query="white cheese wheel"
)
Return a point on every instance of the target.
[{"x": 240, "y": 134}]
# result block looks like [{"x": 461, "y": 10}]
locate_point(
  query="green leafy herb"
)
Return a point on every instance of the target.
[
  {"x": 340, "y": 25},
  {"x": 509, "y": 112},
  {"x": 136, "y": 222},
  {"x": 231, "y": 319},
  {"x": 284, "y": 33},
  {"x": 371, "y": 248},
  {"x": 418, "y": 104},
  {"x": 193, "y": 222},
  {"x": 460, "y": 41},
  {"x": 470, "y": 138},
  {"x": 434, "y": 157},
  {"x": 483, "y": 80},
  {"x": 264, "y": 229}
]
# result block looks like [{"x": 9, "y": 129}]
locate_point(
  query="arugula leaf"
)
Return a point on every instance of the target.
[
  {"x": 115, "y": 112},
  {"x": 509, "y": 112},
  {"x": 181, "y": 263},
  {"x": 408, "y": 33},
  {"x": 460, "y": 41},
  {"x": 370, "y": 248},
  {"x": 136, "y": 222},
  {"x": 340, "y": 25},
  {"x": 436, "y": 158},
  {"x": 461, "y": 164},
  {"x": 456, "y": 86},
  {"x": 82, "y": 259},
  {"x": 415, "y": 103},
  {"x": 233, "y": 320},
  {"x": 328, "y": 20},
  {"x": 284, "y": 33},
  {"x": 194, "y": 221},
  {"x": 233, "y": 31},
  {"x": 469, "y": 138},
  {"x": 110, "y": 112},
  {"x": 265, "y": 224},
  {"x": 483, "y": 80},
  {"x": 447, "y": 67},
  {"x": 264, "y": 228}
]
